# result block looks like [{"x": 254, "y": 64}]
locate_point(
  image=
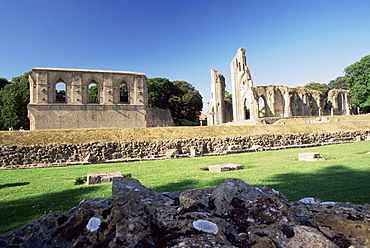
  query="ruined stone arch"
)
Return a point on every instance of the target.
[
  {"x": 247, "y": 104},
  {"x": 88, "y": 88},
  {"x": 296, "y": 104},
  {"x": 263, "y": 111},
  {"x": 124, "y": 92},
  {"x": 59, "y": 85},
  {"x": 279, "y": 103}
]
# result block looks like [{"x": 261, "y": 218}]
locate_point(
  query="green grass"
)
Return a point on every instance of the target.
[{"x": 27, "y": 194}]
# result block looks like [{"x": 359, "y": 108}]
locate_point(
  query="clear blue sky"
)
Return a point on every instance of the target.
[{"x": 288, "y": 42}]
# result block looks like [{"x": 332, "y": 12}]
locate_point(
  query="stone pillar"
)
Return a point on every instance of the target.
[{"x": 216, "y": 109}]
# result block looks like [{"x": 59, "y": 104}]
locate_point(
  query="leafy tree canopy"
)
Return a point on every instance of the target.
[
  {"x": 3, "y": 82},
  {"x": 324, "y": 88},
  {"x": 338, "y": 83},
  {"x": 357, "y": 77},
  {"x": 228, "y": 96},
  {"x": 93, "y": 94},
  {"x": 180, "y": 97},
  {"x": 14, "y": 98}
]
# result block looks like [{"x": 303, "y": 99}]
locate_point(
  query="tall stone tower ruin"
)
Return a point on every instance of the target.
[{"x": 242, "y": 84}]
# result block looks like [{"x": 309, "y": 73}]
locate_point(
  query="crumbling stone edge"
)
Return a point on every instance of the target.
[{"x": 235, "y": 214}]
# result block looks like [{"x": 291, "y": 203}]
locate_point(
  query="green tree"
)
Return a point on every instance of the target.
[
  {"x": 338, "y": 83},
  {"x": 93, "y": 94},
  {"x": 3, "y": 82},
  {"x": 228, "y": 96},
  {"x": 123, "y": 93},
  {"x": 60, "y": 96},
  {"x": 324, "y": 88},
  {"x": 14, "y": 98},
  {"x": 357, "y": 77},
  {"x": 180, "y": 97},
  {"x": 159, "y": 92},
  {"x": 185, "y": 103}
]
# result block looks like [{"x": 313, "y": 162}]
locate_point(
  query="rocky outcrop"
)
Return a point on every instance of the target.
[
  {"x": 234, "y": 214},
  {"x": 70, "y": 154}
]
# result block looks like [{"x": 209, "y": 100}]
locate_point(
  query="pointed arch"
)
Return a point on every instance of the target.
[
  {"x": 247, "y": 109},
  {"x": 124, "y": 96},
  {"x": 93, "y": 91},
  {"x": 279, "y": 104},
  {"x": 60, "y": 91},
  {"x": 262, "y": 107}
]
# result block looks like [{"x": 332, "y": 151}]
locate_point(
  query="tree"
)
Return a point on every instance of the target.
[
  {"x": 338, "y": 83},
  {"x": 357, "y": 77},
  {"x": 93, "y": 94},
  {"x": 159, "y": 92},
  {"x": 185, "y": 103},
  {"x": 60, "y": 96},
  {"x": 324, "y": 88},
  {"x": 180, "y": 97},
  {"x": 14, "y": 98},
  {"x": 3, "y": 82},
  {"x": 228, "y": 96},
  {"x": 123, "y": 93}
]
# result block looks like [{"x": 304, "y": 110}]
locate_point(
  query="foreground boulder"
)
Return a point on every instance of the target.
[{"x": 234, "y": 214}]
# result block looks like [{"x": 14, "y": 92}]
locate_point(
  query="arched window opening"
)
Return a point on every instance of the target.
[
  {"x": 60, "y": 91},
  {"x": 93, "y": 92},
  {"x": 340, "y": 102},
  {"x": 123, "y": 93},
  {"x": 261, "y": 107},
  {"x": 247, "y": 108},
  {"x": 279, "y": 104}
]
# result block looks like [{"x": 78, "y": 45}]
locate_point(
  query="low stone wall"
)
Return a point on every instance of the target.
[{"x": 61, "y": 154}]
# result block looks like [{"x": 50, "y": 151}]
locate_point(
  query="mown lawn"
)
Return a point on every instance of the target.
[{"x": 27, "y": 194}]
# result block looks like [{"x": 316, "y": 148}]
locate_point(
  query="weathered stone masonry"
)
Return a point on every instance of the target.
[
  {"x": 45, "y": 111},
  {"x": 251, "y": 104},
  {"x": 29, "y": 156}
]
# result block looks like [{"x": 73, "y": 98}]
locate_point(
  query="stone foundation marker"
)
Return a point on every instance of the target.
[
  {"x": 104, "y": 177},
  {"x": 309, "y": 156},
  {"x": 225, "y": 167}
]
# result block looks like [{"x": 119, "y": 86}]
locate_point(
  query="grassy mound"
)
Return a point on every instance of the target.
[{"x": 296, "y": 125}]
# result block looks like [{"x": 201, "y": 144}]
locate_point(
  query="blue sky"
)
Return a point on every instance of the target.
[{"x": 288, "y": 42}]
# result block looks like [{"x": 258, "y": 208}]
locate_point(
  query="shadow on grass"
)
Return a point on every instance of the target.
[
  {"x": 189, "y": 184},
  {"x": 335, "y": 183},
  {"x": 8, "y": 185},
  {"x": 15, "y": 213}
]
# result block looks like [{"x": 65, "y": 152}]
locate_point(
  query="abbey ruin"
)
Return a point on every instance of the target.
[
  {"x": 122, "y": 100},
  {"x": 264, "y": 104}
]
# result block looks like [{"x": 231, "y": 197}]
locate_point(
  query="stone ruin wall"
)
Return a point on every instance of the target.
[
  {"x": 279, "y": 101},
  {"x": 52, "y": 155},
  {"x": 77, "y": 112}
]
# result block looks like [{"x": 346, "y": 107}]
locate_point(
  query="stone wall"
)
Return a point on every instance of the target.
[
  {"x": 53, "y": 155},
  {"x": 75, "y": 110}
]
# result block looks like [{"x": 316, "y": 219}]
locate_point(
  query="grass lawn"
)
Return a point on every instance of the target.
[{"x": 27, "y": 194}]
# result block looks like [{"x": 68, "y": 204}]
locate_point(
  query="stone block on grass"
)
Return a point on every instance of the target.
[
  {"x": 225, "y": 167},
  {"x": 102, "y": 177},
  {"x": 309, "y": 156}
]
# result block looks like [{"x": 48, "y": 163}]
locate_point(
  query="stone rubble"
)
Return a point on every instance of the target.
[{"x": 234, "y": 214}]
